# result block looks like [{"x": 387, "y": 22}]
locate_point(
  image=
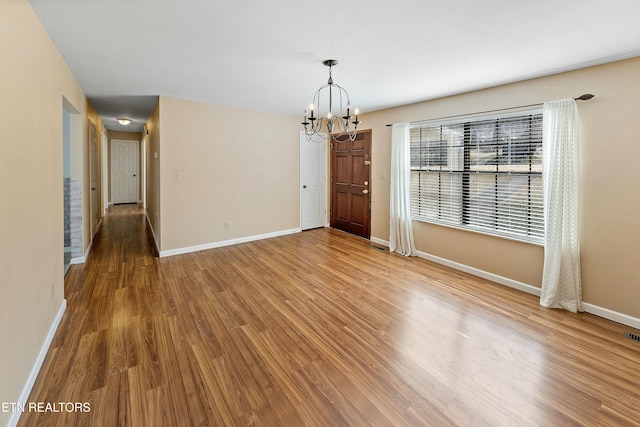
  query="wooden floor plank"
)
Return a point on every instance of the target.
[{"x": 319, "y": 328}]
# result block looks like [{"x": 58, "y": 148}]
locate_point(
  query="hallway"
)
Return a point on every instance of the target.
[
  {"x": 103, "y": 332},
  {"x": 318, "y": 328}
]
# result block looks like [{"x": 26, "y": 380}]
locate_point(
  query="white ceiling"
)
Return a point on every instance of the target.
[{"x": 267, "y": 55}]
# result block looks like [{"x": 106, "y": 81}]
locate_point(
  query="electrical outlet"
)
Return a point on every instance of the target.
[
  {"x": 178, "y": 176},
  {"x": 227, "y": 225}
]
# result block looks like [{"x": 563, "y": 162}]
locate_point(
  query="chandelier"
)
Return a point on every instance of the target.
[{"x": 338, "y": 113}]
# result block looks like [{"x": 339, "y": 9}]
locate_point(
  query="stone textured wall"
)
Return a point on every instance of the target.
[
  {"x": 67, "y": 212},
  {"x": 75, "y": 218}
]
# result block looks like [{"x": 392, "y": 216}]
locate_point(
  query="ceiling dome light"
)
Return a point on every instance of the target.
[{"x": 123, "y": 121}]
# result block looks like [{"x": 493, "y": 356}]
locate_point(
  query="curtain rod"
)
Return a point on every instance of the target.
[{"x": 584, "y": 97}]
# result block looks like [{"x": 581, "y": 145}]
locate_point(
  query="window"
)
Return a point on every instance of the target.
[{"x": 480, "y": 174}]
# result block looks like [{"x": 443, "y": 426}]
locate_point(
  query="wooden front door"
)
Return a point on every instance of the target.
[{"x": 350, "y": 189}]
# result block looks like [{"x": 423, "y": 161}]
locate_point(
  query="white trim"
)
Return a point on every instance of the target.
[
  {"x": 153, "y": 233},
  {"x": 605, "y": 313},
  {"x": 106, "y": 190},
  {"x": 614, "y": 316},
  {"x": 326, "y": 189},
  {"x": 143, "y": 172},
  {"x": 82, "y": 259},
  {"x": 481, "y": 273},
  {"x": 86, "y": 253},
  {"x": 220, "y": 244},
  {"x": 379, "y": 241},
  {"x": 624, "y": 319},
  {"x": 26, "y": 390}
]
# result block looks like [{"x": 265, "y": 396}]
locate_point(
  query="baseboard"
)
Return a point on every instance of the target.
[
  {"x": 220, "y": 244},
  {"x": 614, "y": 316},
  {"x": 153, "y": 232},
  {"x": 86, "y": 253},
  {"x": 26, "y": 391},
  {"x": 624, "y": 319},
  {"x": 481, "y": 273},
  {"x": 81, "y": 259},
  {"x": 379, "y": 241}
]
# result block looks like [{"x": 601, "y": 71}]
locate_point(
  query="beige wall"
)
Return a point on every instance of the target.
[
  {"x": 237, "y": 166},
  {"x": 610, "y": 200},
  {"x": 241, "y": 166},
  {"x": 34, "y": 79}
]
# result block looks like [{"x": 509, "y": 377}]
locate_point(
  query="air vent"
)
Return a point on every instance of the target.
[{"x": 632, "y": 337}]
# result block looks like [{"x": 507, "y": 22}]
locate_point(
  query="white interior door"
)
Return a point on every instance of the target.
[
  {"x": 313, "y": 183},
  {"x": 124, "y": 171}
]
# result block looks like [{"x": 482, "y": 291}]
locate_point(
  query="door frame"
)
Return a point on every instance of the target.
[
  {"x": 327, "y": 152},
  {"x": 143, "y": 173},
  {"x": 106, "y": 184},
  {"x": 95, "y": 189},
  {"x": 137, "y": 142}
]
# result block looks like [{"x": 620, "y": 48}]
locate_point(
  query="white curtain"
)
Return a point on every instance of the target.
[
  {"x": 401, "y": 232},
  {"x": 561, "y": 286}
]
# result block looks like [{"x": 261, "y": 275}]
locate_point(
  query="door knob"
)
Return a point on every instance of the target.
[
  {"x": 93, "y": 188},
  {"x": 304, "y": 186},
  {"x": 366, "y": 183},
  {"x": 365, "y": 191}
]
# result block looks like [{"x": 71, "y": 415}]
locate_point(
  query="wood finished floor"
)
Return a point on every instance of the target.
[{"x": 319, "y": 329}]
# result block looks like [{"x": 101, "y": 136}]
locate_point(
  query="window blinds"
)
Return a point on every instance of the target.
[{"x": 482, "y": 174}]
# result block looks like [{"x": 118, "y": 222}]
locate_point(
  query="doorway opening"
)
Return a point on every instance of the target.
[
  {"x": 313, "y": 183},
  {"x": 125, "y": 171},
  {"x": 71, "y": 183}
]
